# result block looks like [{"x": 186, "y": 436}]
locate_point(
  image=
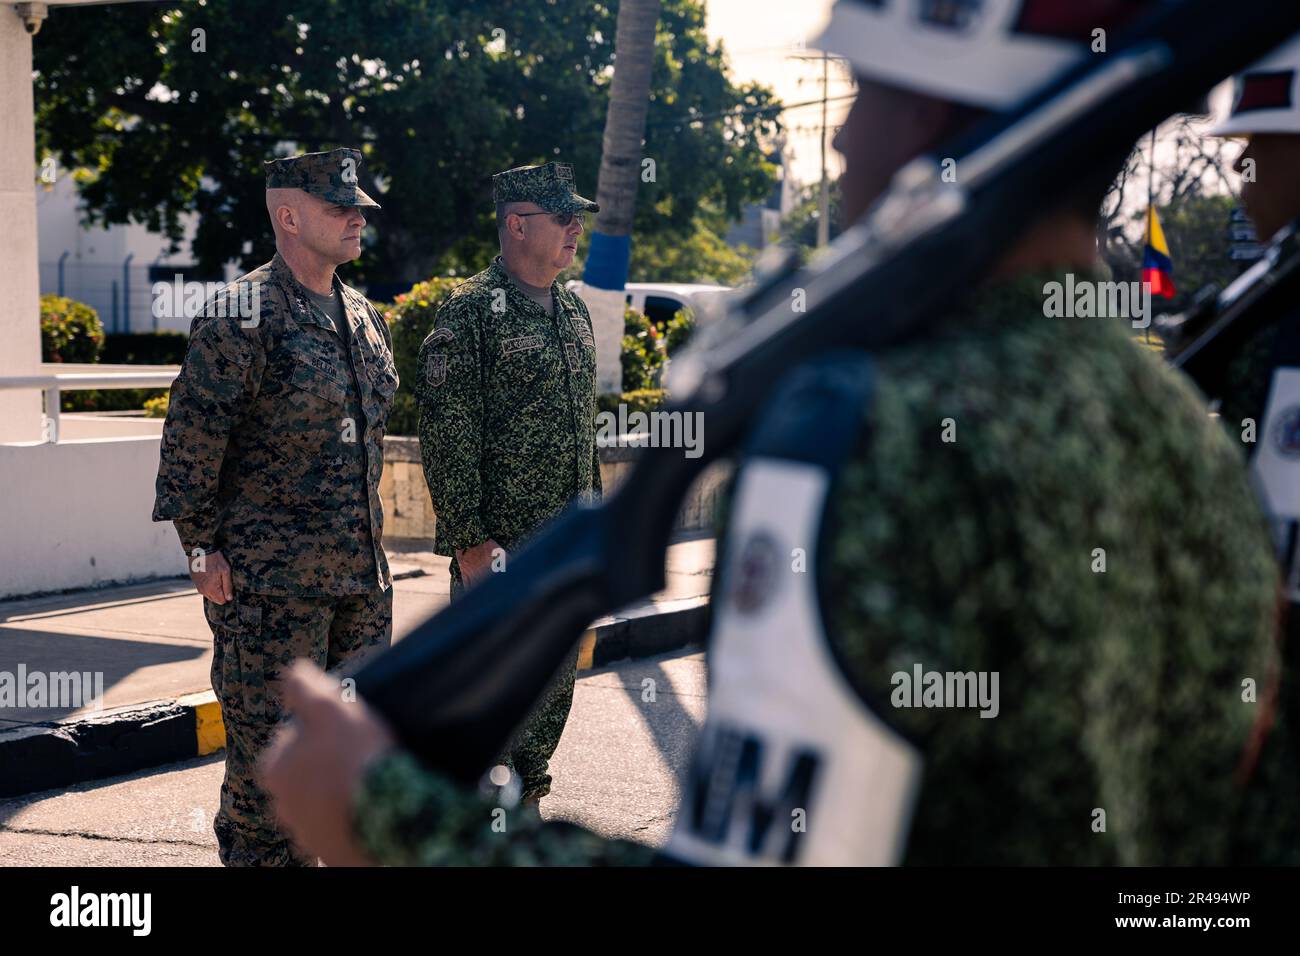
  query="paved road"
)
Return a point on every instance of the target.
[{"x": 615, "y": 772}]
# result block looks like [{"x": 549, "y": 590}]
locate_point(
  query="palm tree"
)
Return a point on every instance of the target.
[{"x": 620, "y": 168}]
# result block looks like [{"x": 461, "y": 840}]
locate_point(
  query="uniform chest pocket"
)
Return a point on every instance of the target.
[
  {"x": 312, "y": 412},
  {"x": 308, "y": 374}
]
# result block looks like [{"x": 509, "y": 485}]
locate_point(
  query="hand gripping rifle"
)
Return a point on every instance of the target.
[{"x": 456, "y": 687}]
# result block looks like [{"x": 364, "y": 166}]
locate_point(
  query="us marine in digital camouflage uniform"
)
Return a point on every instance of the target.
[
  {"x": 271, "y": 457},
  {"x": 507, "y": 410},
  {"x": 1121, "y": 689}
]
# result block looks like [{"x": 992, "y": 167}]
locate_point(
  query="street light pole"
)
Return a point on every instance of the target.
[{"x": 824, "y": 203}]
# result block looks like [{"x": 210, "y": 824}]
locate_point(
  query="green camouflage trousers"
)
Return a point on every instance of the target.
[
  {"x": 530, "y": 751},
  {"x": 255, "y": 638}
]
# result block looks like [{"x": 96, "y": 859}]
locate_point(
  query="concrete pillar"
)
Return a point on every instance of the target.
[
  {"x": 20, "y": 333},
  {"x": 606, "y": 307}
]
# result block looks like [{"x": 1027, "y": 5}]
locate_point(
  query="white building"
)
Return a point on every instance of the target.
[{"x": 113, "y": 269}]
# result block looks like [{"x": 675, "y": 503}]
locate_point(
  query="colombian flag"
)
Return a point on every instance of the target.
[{"x": 1157, "y": 269}]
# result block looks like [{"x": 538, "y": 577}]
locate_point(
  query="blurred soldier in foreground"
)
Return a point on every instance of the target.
[
  {"x": 1032, "y": 501},
  {"x": 270, "y": 465}
]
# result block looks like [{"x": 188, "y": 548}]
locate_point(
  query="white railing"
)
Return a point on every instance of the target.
[{"x": 51, "y": 386}]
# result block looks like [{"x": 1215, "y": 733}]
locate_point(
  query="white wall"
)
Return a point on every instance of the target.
[{"x": 77, "y": 514}]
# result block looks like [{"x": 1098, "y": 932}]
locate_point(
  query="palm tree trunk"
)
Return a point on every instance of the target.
[{"x": 620, "y": 168}]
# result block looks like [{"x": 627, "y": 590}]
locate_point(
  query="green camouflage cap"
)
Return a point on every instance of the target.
[
  {"x": 550, "y": 186},
  {"x": 331, "y": 175}
]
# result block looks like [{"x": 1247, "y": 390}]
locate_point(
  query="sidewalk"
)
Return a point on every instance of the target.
[{"x": 153, "y": 647}]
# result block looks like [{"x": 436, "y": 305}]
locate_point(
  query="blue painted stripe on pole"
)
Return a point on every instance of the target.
[{"x": 607, "y": 260}]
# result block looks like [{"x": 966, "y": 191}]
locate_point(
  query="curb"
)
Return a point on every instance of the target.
[
  {"x": 117, "y": 741},
  {"x": 644, "y": 632},
  {"x": 154, "y": 733}
]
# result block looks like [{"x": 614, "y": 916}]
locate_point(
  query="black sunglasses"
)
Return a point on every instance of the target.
[{"x": 561, "y": 218}]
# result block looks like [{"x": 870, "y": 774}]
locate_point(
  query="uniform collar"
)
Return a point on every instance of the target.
[
  {"x": 302, "y": 307},
  {"x": 502, "y": 277}
]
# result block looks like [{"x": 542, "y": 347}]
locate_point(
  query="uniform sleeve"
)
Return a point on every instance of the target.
[
  {"x": 208, "y": 398},
  {"x": 377, "y": 317},
  {"x": 597, "y": 489},
  {"x": 406, "y": 815},
  {"x": 450, "y": 394}
]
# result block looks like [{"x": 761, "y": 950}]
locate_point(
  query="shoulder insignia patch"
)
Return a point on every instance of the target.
[
  {"x": 440, "y": 335},
  {"x": 435, "y": 368},
  {"x": 584, "y": 331}
]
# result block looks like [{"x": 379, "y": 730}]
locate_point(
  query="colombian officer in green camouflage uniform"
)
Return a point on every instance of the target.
[
  {"x": 1001, "y": 457},
  {"x": 269, "y": 471},
  {"x": 507, "y": 409}
]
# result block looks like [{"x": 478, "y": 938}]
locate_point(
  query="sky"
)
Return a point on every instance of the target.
[{"x": 761, "y": 37}]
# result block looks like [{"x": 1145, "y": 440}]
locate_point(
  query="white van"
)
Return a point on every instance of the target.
[{"x": 659, "y": 300}]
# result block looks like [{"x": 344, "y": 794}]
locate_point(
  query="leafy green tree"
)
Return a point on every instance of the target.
[
  {"x": 1193, "y": 196},
  {"x": 1196, "y": 227},
  {"x": 699, "y": 254},
  {"x": 166, "y": 109}
]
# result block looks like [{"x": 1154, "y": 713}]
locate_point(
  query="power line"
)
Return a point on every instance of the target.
[{"x": 689, "y": 121}]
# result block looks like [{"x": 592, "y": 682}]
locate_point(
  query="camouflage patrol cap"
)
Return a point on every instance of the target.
[
  {"x": 331, "y": 175},
  {"x": 550, "y": 186}
]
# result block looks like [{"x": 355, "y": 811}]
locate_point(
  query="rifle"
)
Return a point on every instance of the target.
[
  {"x": 455, "y": 688},
  {"x": 1205, "y": 339}
]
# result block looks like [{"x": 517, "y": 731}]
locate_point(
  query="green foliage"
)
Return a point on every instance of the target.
[
  {"x": 647, "y": 346},
  {"x": 70, "y": 330},
  {"x": 157, "y": 407},
  {"x": 147, "y": 348},
  {"x": 1196, "y": 228},
  {"x": 640, "y": 400},
  {"x": 695, "y": 254},
  {"x": 679, "y": 331},
  {"x": 156, "y": 129},
  {"x": 799, "y": 229},
  {"x": 109, "y": 399},
  {"x": 410, "y": 320},
  {"x": 643, "y": 353}
]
